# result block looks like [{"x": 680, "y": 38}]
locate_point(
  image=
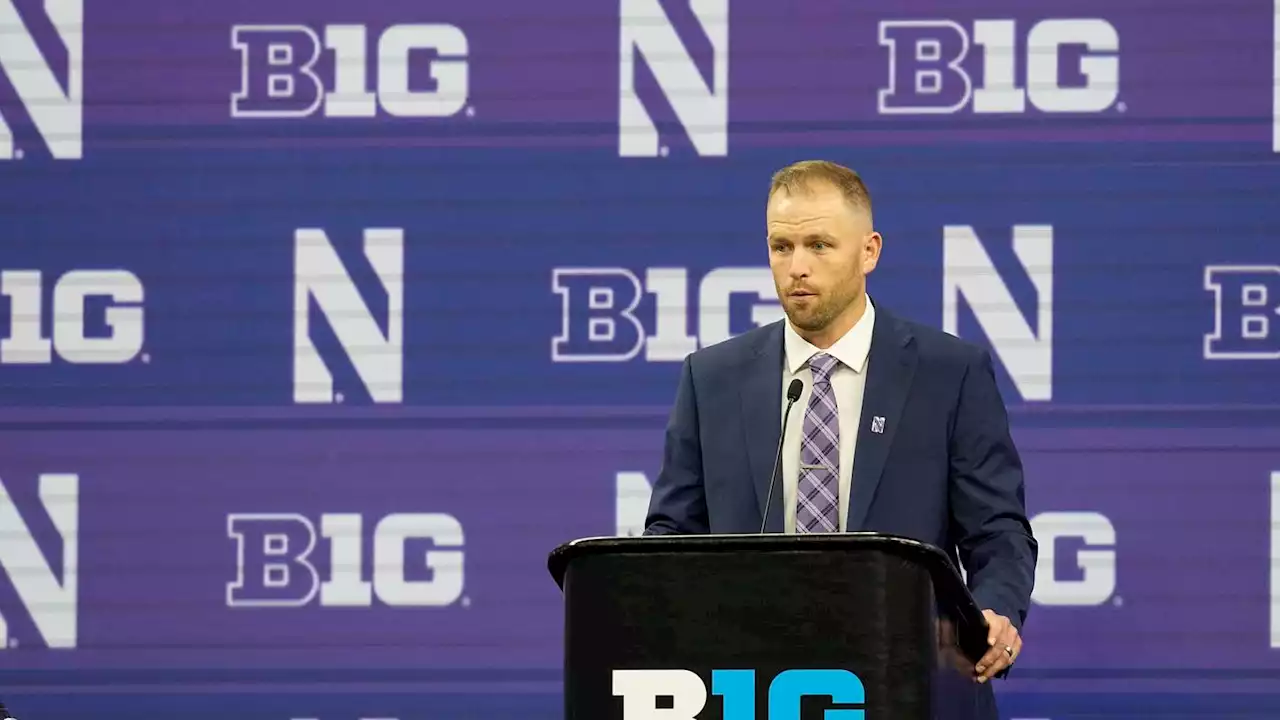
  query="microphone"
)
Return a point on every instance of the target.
[{"x": 793, "y": 394}]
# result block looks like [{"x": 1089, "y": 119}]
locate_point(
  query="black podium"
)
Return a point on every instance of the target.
[{"x": 854, "y": 626}]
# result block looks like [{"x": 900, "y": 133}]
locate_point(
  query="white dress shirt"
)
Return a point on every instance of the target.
[{"x": 848, "y": 381}]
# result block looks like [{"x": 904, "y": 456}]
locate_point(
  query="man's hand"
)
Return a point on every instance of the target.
[{"x": 1005, "y": 644}]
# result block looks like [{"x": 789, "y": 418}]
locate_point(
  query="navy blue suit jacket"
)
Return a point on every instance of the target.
[{"x": 943, "y": 471}]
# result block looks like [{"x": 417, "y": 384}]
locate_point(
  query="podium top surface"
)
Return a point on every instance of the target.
[
  {"x": 947, "y": 582},
  {"x": 561, "y": 557},
  {"x": 950, "y": 592}
]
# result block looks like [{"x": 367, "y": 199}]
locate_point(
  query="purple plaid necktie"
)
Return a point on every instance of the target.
[{"x": 817, "y": 496}]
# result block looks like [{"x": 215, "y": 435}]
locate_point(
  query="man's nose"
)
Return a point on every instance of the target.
[{"x": 800, "y": 264}]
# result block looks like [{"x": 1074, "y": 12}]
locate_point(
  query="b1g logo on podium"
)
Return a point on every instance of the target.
[
  {"x": 685, "y": 693},
  {"x": 931, "y": 71}
]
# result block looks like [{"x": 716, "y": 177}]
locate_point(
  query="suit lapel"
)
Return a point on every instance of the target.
[
  {"x": 890, "y": 366},
  {"x": 761, "y": 396}
]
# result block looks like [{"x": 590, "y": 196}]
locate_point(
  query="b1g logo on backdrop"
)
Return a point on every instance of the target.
[
  {"x": 1246, "y": 312},
  {"x": 45, "y": 582},
  {"x": 1077, "y": 563},
  {"x": 417, "y": 560},
  {"x": 54, "y": 107},
  {"x": 82, "y": 317},
  {"x": 686, "y": 695},
  {"x": 601, "y": 314},
  {"x": 286, "y": 73},
  {"x": 933, "y": 65}
]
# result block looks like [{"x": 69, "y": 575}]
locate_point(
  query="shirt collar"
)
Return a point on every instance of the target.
[{"x": 851, "y": 349}]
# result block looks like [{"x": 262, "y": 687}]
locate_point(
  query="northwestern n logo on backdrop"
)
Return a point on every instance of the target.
[
  {"x": 651, "y": 47},
  {"x": 51, "y": 105},
  {"x": 369, "y": 335},
  {"x": 44, "y": 576}
]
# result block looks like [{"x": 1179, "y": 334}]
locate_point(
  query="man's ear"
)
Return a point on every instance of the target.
[{"x": 871, "y": 246}]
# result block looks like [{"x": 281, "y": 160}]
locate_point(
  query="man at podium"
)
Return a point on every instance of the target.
[{"x": 897, "y": 427}]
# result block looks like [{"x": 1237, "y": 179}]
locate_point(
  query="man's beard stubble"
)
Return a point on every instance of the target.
[
  {"x": 812, "y": 319},
  {"x": 819, "y": 314}
]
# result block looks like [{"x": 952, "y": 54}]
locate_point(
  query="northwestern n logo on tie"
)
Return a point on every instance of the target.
[{"x": 53, "y": 104}]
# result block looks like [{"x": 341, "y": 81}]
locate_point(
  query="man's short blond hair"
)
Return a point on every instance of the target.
[{"x": 799, "y": 176}]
